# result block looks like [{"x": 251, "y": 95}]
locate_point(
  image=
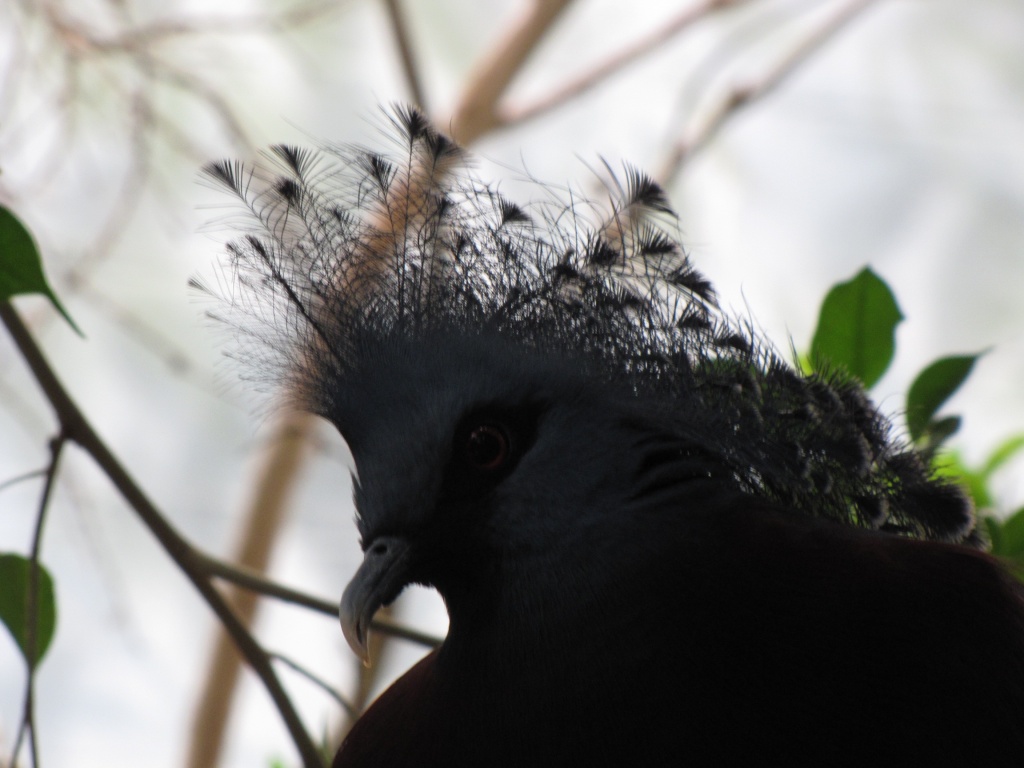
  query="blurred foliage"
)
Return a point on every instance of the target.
[{"x": 856, "y": 336}]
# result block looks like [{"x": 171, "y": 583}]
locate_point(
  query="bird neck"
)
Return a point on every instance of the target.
[{"x": 522, "y": 610}]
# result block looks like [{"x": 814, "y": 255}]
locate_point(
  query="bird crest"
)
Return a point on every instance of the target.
[{"x": 344, "y": 241}]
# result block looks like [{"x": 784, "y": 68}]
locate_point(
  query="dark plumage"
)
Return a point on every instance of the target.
[{"x": 659, "y": 545}]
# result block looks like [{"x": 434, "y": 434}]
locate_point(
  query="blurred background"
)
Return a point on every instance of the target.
[{"x": 800, "y": 140}]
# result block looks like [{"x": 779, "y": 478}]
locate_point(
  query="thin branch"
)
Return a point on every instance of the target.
[
  {"x": 248, "y": 579},
  {"x": 126, "y": 204},
  {"x": 28, "y": 720},
  {"x": 637, "y": 50},
  {"x": 254, "y": 582},
  {"x": 404, "y": 633},
  {"x": 742, "y": 94},
  {"x": 263, "y": 521},
  {"x": 190, "y": 84},
  {"x": 400, "y": 29},
  {"x": 316, "y": 680},
  {"x": 23, "y": 124},
  {"x": 477, "y": 111},
  {"x": 22, "y": 478},
  {"x": 77, "y": 428},
  {"x": 147, "y": 35}
]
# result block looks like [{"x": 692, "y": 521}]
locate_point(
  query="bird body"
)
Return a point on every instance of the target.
[
  {"x": 657, "y": 543},
  {"x": 659, "y": 614}
]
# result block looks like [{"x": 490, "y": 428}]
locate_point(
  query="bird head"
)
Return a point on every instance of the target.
[
  {"x": 513, "y": 379},
  {"x": 479, "y": 468}
]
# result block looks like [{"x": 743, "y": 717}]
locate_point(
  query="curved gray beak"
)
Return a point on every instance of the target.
[{"x": 379, "y": 580}]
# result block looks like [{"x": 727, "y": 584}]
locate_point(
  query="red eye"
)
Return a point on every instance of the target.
[{"x": 487, "y": 447}]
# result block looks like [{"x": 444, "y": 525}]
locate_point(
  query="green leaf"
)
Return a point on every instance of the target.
[
  {"x": 856, "y": 328},
  {"x": 1006, "y": 451},
  {"x": 939, "y": 431},
  {"x": 21, "y": 269},
  {"x": 14, "y": 602},
  {"x": 932, "y": 387},
  {"x": 1010, "y": 540}
]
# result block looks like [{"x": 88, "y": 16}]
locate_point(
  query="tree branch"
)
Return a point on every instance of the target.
[
  {"x": 589, "y": 80},
  {"x": 742, "y": 94},
  {"x": 22, "y": 478},
  {"x": 400, "y": 29},
  {"x": 251, "y": 580},
  {"x": 317, "y": 681},
  {"x": 262, "y": 522},
  {"x": 477, "y": 111},
  {"x": 28, "y": 720},
  {"x": 75, "y": 426}
]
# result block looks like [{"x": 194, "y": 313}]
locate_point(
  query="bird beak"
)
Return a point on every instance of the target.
[{"x": 379, "y": 580}]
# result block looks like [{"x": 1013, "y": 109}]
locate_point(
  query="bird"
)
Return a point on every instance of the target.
[{"x": 658, "y": 542}]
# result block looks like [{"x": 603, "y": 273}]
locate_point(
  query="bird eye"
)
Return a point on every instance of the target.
[{"x": 487, "y": 447}]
